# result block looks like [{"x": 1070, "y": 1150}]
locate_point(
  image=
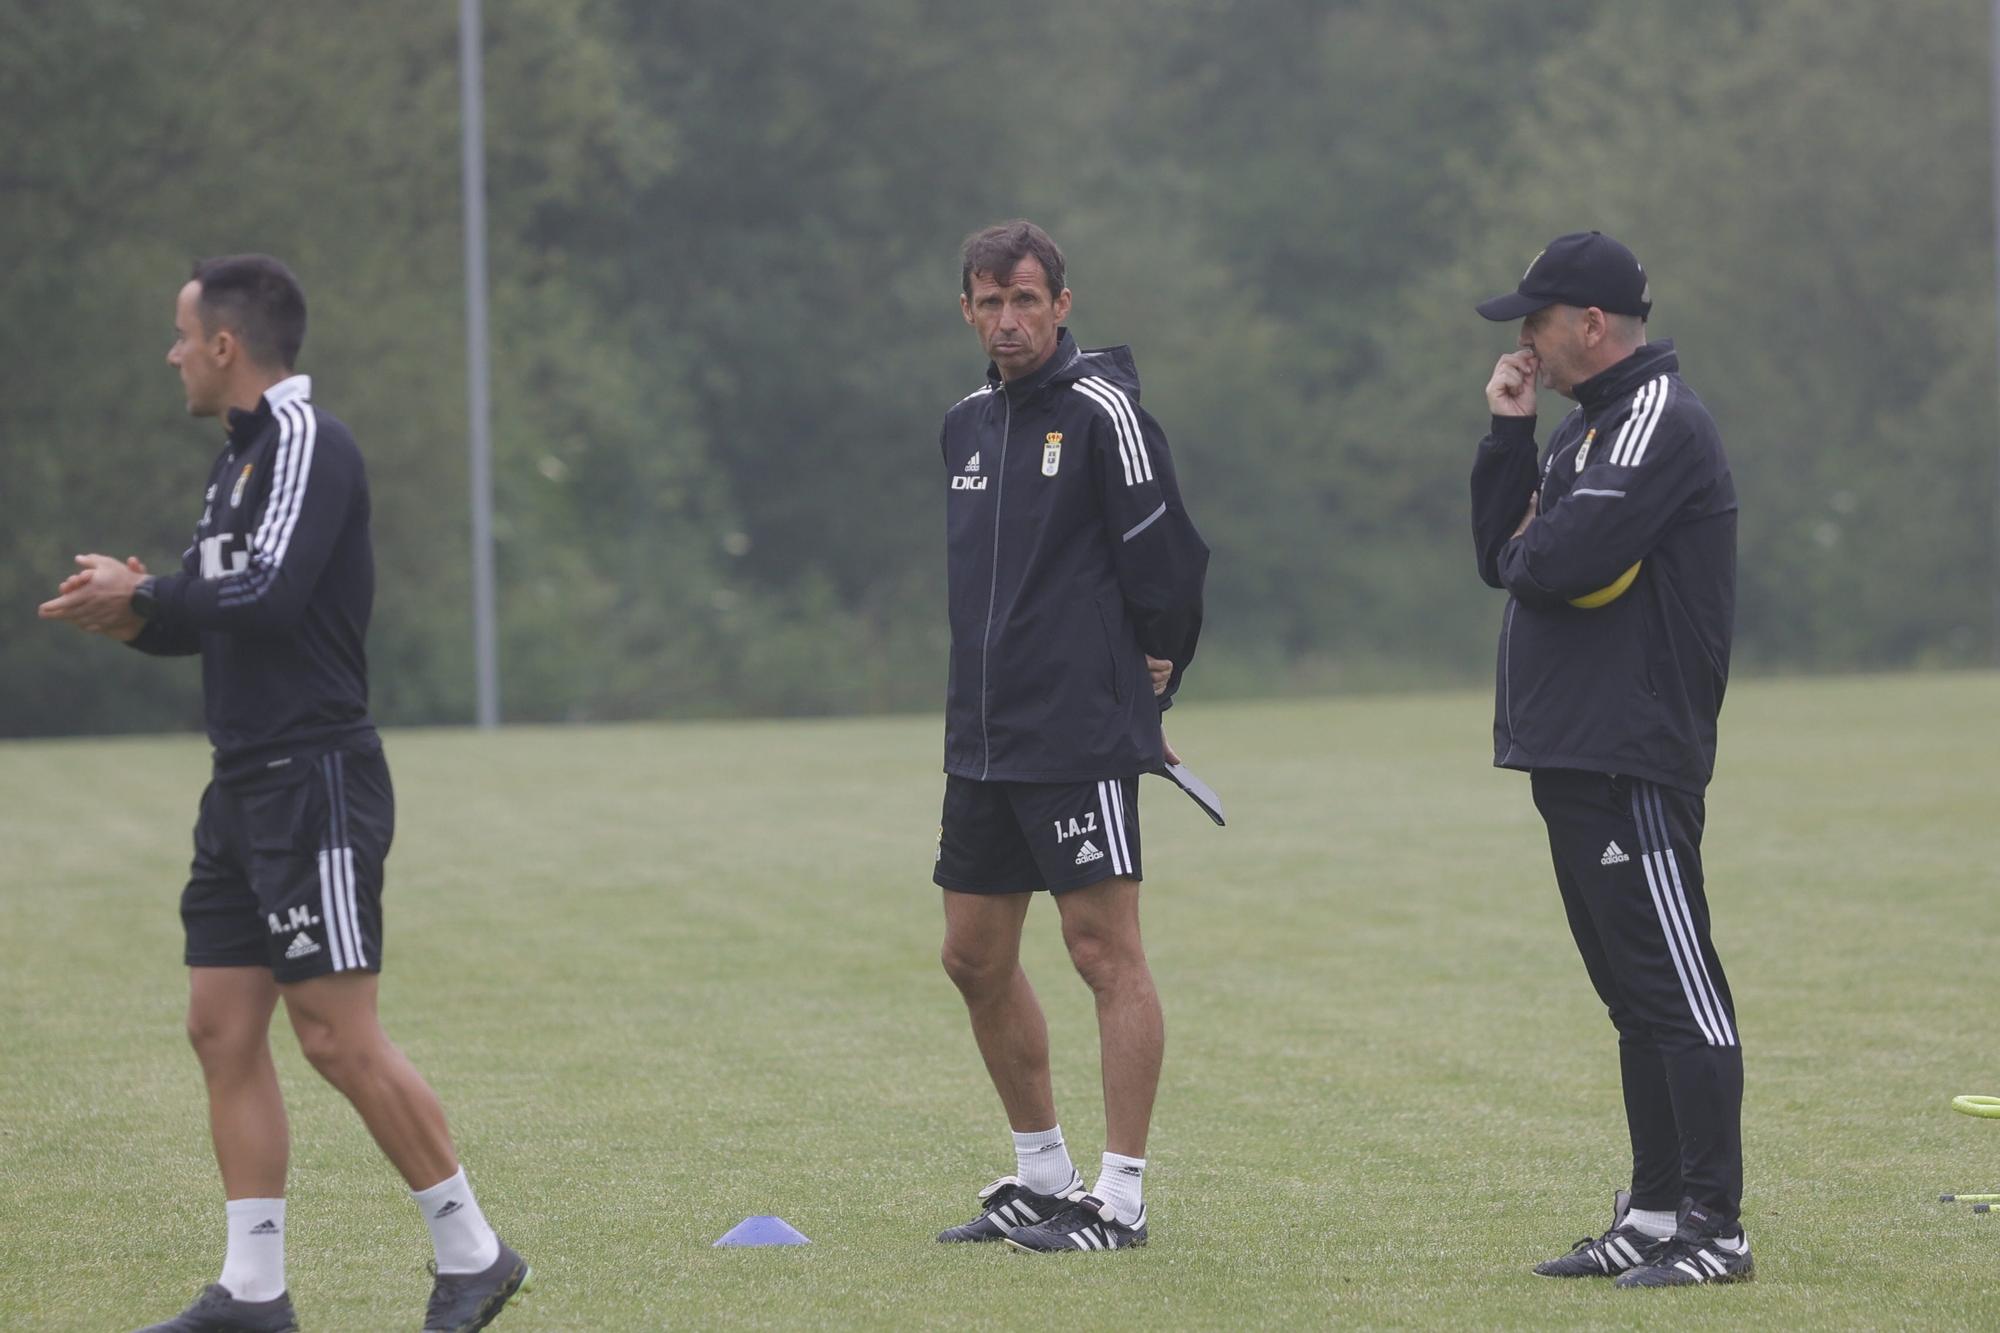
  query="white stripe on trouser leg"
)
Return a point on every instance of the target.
[
  {"x": 1686, "y": 917},
  {"x": 357, "y": 956},
  {"x": 338, "y": 925},
  {"x": 1105, "y": 815},
  {"x": 1107, "y": 793},
  {"x": 339, "y": 866},
  {"x": 1677, "y": 948},
  {"x": 326, "y": 897},
  {"x": 353, "y": 909},
  {"x": 1118, "y": 806},
  {"x": 1674, "y": 950},
  {"x": 1677, "y": 906}
]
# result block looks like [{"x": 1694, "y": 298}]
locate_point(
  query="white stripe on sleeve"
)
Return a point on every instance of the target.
[{"x": 1089, "y": 390}]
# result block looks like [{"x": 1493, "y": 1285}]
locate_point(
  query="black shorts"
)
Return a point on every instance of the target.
[
  {"x": 288, "y": 867},
  {"x": 1016, "y": 837}
]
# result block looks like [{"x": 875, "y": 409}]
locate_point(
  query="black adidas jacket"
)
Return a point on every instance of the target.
[
  {"x": 1635, "y": 473},
  {"x": 1070, "y": 558},
  {"x": 276, "y": 591}
]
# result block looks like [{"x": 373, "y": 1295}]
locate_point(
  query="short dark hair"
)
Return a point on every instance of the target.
[
  {"x": 256, "y": 298},
  {"x": 995, "y": 251}
]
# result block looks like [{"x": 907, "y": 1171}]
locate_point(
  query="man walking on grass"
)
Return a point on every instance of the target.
[{"x": 284, "y": 901}]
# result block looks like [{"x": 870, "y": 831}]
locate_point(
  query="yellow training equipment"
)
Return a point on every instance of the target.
[{"x": 1610, "y": 592}]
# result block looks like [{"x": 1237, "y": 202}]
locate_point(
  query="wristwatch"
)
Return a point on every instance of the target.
[{"x": 144, "y": 604}]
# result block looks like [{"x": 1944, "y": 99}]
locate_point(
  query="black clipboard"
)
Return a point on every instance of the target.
[{"x": 1198, "y": 791}]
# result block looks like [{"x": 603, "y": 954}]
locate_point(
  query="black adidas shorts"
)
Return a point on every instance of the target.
[
  {"x": 288, "y": 866},
  {"x": 1016, "y": 837}
]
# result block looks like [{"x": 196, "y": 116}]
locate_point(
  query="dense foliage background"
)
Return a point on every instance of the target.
[{"x": 725, "y": 273}]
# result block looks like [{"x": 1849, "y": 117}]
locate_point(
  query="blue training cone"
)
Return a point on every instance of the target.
[{"x": 763, "y": 1231}]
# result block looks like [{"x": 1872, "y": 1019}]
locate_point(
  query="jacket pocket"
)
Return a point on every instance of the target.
[{"x": 1110, "y": 650}]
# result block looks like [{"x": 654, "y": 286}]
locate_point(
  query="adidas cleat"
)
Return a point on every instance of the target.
[
  {"x": 1695, "y": 1255},
  {"x": 1616, "y": 1251},
  {"x": 216, "y": 1311},
  {"x": 1087, "y": 1224},
  {"x": 1007, "y": 1204},
  {"x": 461, "y": 1302}
]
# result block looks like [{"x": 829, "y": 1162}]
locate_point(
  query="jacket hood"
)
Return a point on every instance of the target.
[{"x": 1070, "y": 363}]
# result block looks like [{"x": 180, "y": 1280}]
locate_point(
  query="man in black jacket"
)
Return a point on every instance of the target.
[
  {"x": 284, "y": 900},
  {"x": 1618, "y": 548},
  {"x": 1075, "y": 597}
]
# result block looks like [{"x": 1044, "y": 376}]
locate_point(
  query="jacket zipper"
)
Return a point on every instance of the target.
[
  {"x": 993, "y": 593},
  {"x": 1507, "y": 676}
]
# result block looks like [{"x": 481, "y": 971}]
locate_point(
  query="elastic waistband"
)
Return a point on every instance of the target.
[{"x": 248, "y": 765}]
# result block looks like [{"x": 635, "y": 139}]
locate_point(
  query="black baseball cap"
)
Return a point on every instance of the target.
[{"x": 1584, "y": 268}]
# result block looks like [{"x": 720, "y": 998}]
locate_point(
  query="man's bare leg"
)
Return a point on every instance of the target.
[
  {"x": 339, "y": 1032},
  {"x": 1101, "y": 928},
  {"x": 229, "y": 1026},
  {"x": 982, "y": 955}
]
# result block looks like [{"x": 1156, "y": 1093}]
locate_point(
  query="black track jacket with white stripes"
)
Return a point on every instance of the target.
[
  {"x": 1069, "y": 558},
  {"x": 1635, "y": 473},
  {"x": 276, "y": 591}
]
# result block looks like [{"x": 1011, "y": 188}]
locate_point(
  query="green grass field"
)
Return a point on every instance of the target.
[{"x": 666, "y": 977}]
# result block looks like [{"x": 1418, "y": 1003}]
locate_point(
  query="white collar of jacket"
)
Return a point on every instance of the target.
[{"x": 291, "y": 389}]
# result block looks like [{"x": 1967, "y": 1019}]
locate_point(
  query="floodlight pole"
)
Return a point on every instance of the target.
[{"x": 471, "y": 87}]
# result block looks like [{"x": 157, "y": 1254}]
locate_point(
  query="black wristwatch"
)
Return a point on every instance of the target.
[{"x": 144, "y": 604}]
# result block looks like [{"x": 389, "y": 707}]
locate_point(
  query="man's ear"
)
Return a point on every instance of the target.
[{"x": 226, "y": 348}]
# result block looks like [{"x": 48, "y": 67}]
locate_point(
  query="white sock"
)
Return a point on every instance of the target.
[
  {"x": 1041, "y": 1160},
  {"x": 1657, "y": 1223},
  {"x": 253, "y": 1267},
  {"x": 465, "y": 1243},
  {"x": 1734, "y": 1244},
  {"x": 1122, "y": 1186}
]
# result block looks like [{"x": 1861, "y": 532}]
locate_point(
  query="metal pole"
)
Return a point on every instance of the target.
[
  {"x": 478, "y": 371},
  {"x": 1994, "y": 36}
]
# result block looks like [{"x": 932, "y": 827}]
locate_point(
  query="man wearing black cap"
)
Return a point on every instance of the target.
[{"x": 1618, "y": 547}]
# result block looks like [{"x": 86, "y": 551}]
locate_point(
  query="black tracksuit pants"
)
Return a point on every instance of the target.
[{"x": 1628, "y": 861}]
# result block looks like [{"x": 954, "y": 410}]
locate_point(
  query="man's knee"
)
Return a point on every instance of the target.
[
  {"x": 338, "y": 1036},
  {"x": 975, "y": 970},
  {"x": 1105, "y": 959},
  {"x": 337, "y": 1050},
  {"x": 223, "y": 1040}
]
